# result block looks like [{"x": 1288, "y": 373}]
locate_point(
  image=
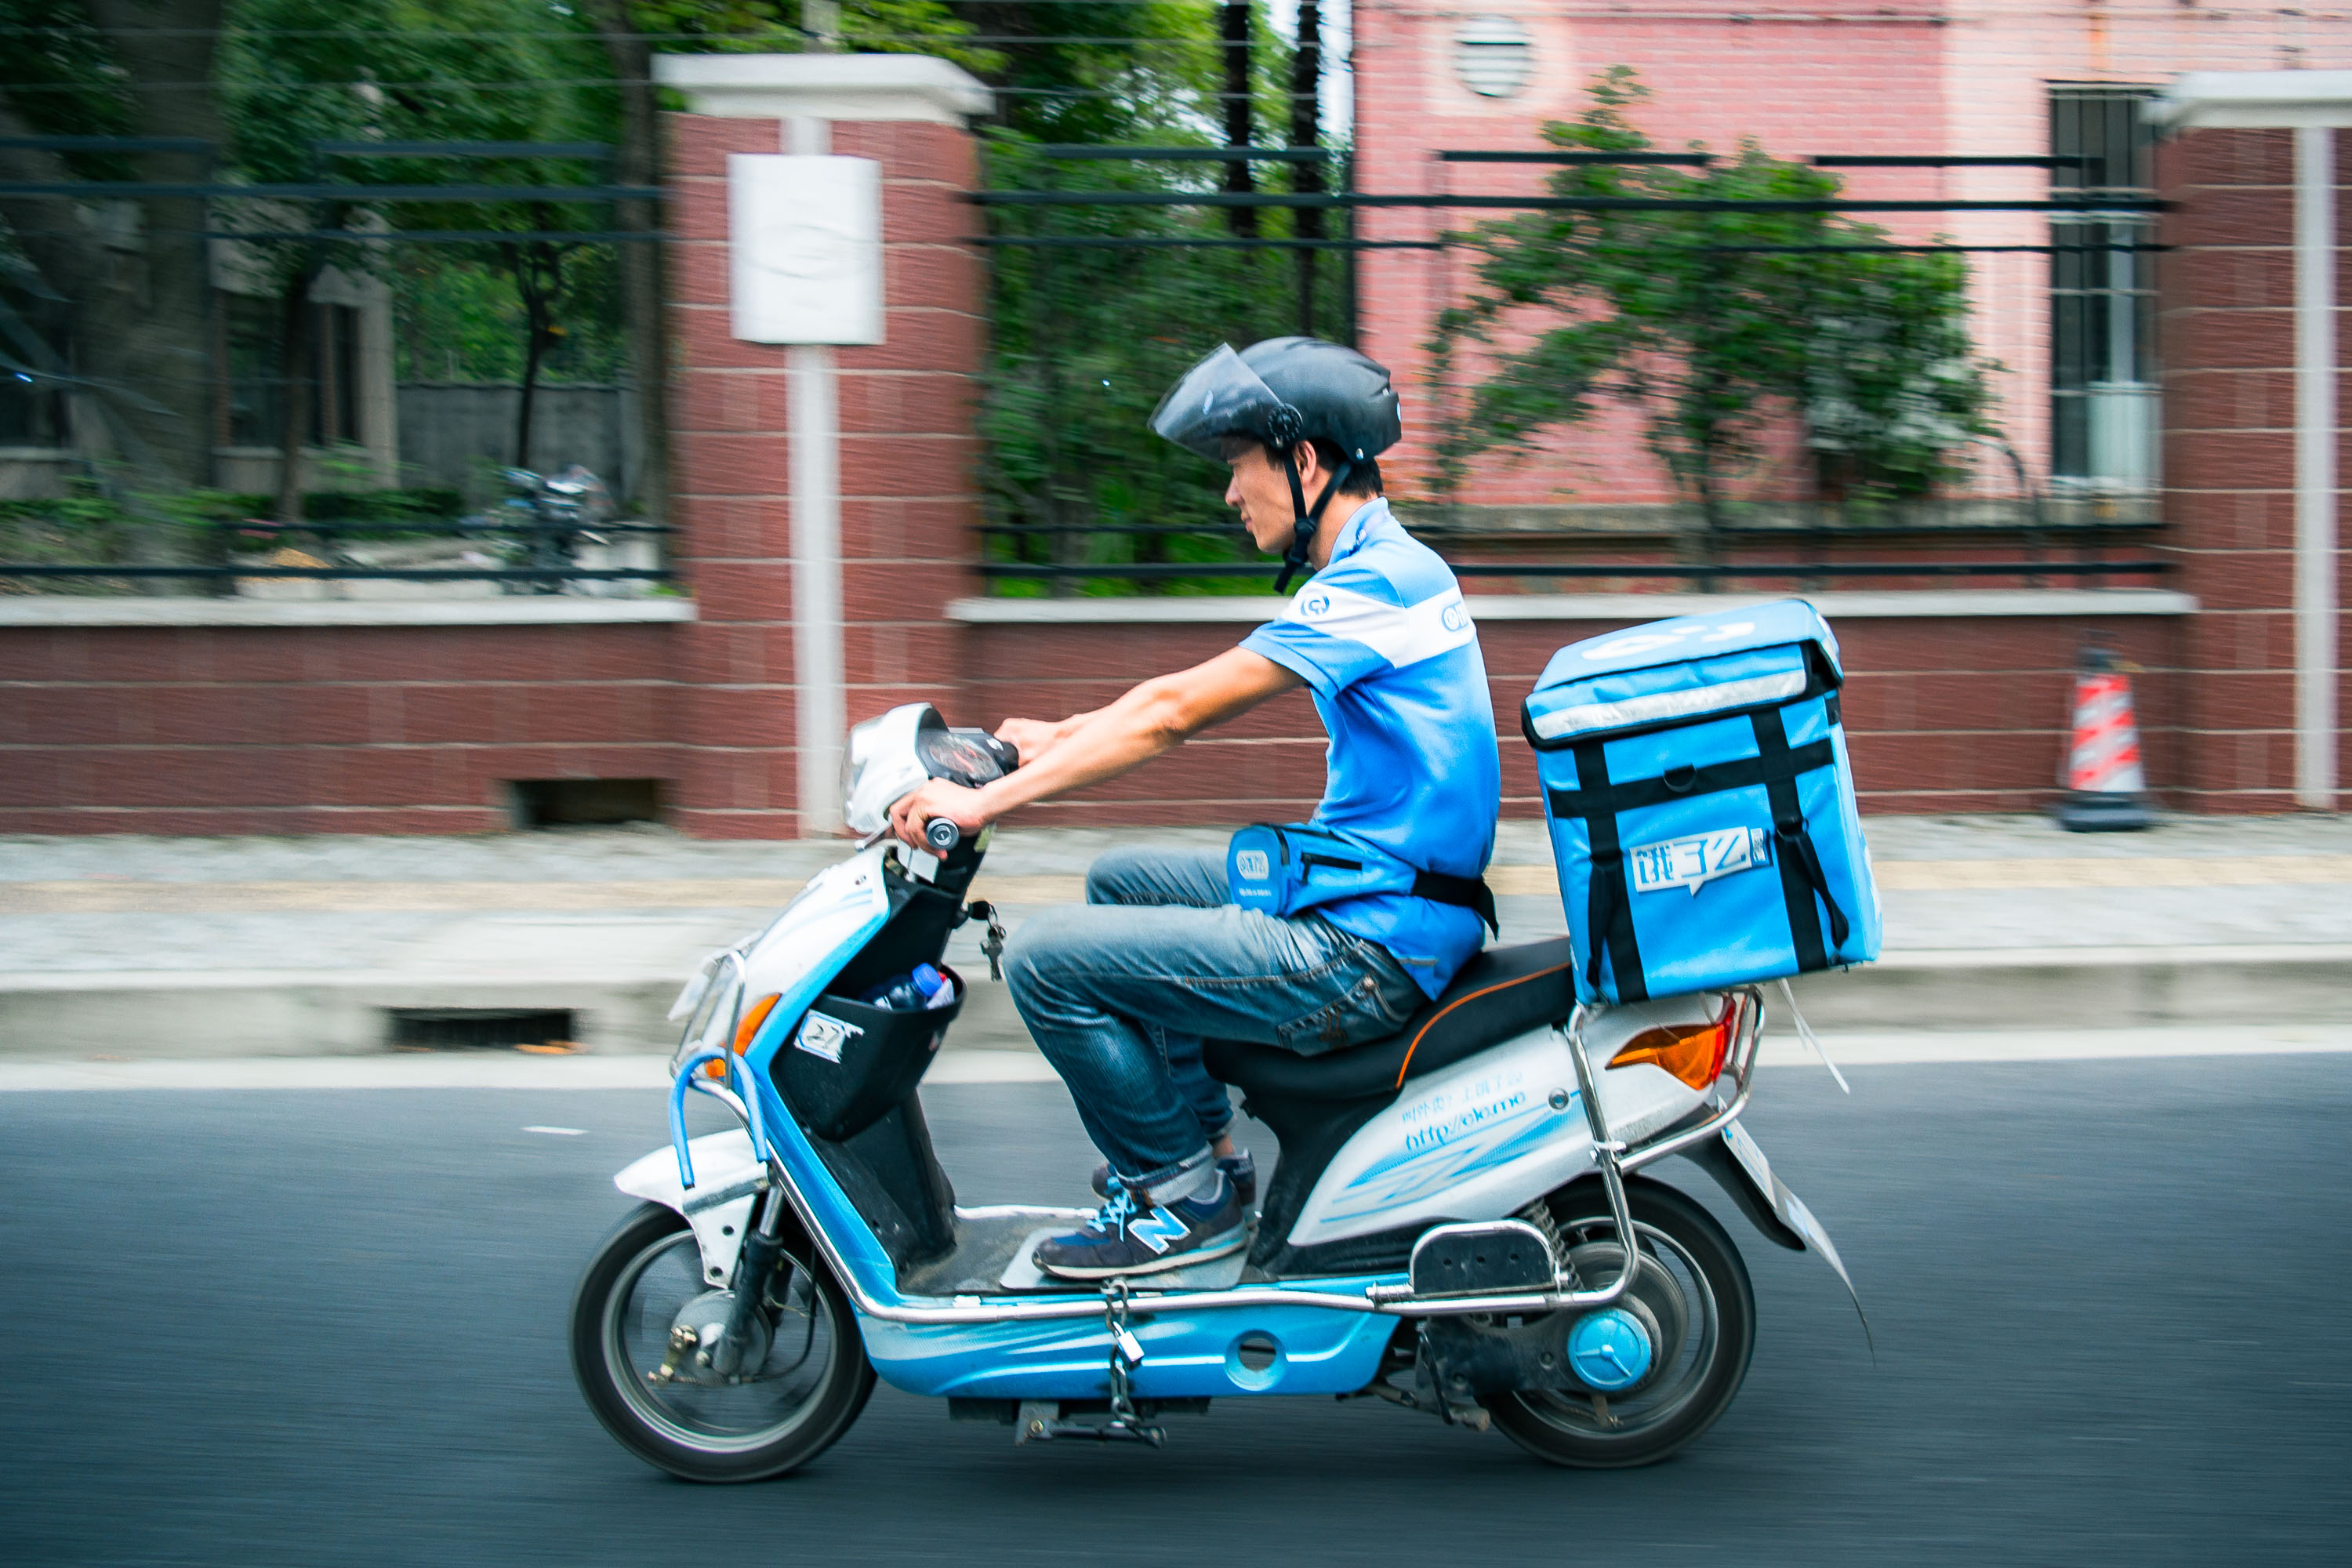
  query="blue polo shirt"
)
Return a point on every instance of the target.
[{"x": 1381, "y": 638}]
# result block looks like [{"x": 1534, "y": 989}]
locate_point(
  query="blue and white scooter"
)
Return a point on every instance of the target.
[{"x": 1445, "y": 1229}]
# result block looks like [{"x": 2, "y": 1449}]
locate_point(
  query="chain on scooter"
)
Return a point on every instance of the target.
[
  {"x": 1126, "y": 1354},
  {"x": 1041, "y": 1421}
]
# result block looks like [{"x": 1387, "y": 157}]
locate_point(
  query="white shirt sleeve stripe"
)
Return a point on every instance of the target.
[{"x": 1402, "y": 635}]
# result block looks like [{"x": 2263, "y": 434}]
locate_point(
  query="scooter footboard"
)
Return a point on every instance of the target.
[{"x": 1187, "y": 1353}]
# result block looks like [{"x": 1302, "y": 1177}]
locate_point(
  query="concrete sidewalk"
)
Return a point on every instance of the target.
[{"x": 141, "y": 948}]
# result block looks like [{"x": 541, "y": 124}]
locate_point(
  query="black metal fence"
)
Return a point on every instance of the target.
[
  {"x": 1104, "y": 291},
  {"x": 1116, "y": 268},
  {"x": 289, "y": 374}
]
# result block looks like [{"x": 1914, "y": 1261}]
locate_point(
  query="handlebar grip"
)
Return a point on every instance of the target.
[{"x": 941, "y": 835}]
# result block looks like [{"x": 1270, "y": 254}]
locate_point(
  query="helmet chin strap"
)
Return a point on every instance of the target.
[{"x": 1307, "y": 519}]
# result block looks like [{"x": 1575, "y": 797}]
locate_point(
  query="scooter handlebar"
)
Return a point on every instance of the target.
[{"x": 941, "y": 835}]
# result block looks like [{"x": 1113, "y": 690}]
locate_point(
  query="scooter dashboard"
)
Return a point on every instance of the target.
[{"x": 967, "y": 757}]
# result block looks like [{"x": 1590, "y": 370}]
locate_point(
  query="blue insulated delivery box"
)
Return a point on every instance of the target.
[{"x": 1695, "y": 776}]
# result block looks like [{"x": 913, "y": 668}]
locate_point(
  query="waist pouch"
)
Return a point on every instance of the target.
[
  {"x": 1701, "y": 804},
  {"x": 1293, "y": 869}
]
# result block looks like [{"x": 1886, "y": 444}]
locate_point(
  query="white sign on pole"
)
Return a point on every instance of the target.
[{"x": 805, "y": 249}]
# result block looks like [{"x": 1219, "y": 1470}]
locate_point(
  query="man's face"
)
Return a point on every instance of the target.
[{"x": 1261, "y": 492}]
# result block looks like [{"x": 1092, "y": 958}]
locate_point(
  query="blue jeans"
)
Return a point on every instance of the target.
[{"x": 1119, "y": 993}]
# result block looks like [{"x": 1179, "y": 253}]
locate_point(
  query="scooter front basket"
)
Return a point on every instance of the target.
[{"x": 847, "y": 1062}]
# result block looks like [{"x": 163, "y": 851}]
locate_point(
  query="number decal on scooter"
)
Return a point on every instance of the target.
[{"x": 821, "y": 1035}]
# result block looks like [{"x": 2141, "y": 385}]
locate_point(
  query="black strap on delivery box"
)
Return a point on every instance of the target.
[{"x": 1776, "y": 765}]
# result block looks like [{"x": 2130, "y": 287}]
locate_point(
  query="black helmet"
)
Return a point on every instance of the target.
[{"x": 1282, "y": 392}]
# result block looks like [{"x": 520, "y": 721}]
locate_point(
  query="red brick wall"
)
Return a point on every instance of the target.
[
  {"x": 1943, "y": 715},
  {"x": 2228, "y": 336},
  {"x": 908, "y": 507},
  {"x": 318, "y": 729},
  {"x": 415, "y": 729}
]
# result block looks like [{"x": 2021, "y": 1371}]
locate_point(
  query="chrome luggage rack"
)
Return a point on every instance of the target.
[{"x": 1613, "y": 1158}]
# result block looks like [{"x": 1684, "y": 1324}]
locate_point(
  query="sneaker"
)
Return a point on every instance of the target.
[
  {"x": 1131, "y": 1235},
  {"x": 1239, "y": 1169}
]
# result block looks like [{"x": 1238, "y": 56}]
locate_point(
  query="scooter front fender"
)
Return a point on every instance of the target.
[{"x": 727, "y": 1181}]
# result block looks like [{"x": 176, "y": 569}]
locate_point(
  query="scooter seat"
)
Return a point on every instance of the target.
[{"x": 1503, "y": 992}]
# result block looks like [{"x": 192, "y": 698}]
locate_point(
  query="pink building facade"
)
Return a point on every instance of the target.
[{"x": 1973, "y": 77}]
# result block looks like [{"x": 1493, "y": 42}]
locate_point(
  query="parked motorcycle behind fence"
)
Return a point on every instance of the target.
[{"x": 549, "y": 519}]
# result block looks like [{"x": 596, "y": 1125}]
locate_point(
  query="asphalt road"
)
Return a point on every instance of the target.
[{"x": 254, "y": 1327}]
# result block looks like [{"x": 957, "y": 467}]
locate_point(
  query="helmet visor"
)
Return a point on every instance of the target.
[{"x": 1220, "y": 396}]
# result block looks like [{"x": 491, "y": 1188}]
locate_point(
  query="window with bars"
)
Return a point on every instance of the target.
[
  {"x": 255, "y": 382},
  {"x": 2105, "y": 416}
]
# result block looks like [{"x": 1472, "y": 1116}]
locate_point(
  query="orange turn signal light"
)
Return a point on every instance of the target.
[
  {"x": 753, "y": 1016},
  {"x": 1690, "y": 1052}
]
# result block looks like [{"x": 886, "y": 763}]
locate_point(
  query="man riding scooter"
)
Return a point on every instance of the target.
[{"x": 1311, "y": 938}]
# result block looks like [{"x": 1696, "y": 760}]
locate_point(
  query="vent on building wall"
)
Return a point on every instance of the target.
[
  {"x": 566, "y": 803},
  {"x": 1493, "y": 56},
  {"x": 480, "y": 1028}
]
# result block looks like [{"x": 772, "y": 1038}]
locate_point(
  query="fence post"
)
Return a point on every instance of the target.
[{"x": 824, "y": 421}]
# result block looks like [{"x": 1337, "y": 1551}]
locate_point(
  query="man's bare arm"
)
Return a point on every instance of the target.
[
  {"x": 1033, "y": 738},
  {"x": 1152, "y": 718}
]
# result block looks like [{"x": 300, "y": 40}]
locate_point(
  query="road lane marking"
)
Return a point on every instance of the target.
[{"x": 559, "y": 1131}]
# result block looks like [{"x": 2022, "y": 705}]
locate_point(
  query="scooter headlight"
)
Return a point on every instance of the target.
[
  {"x": 881, "y": 763},
  {"x": 854, "y": 755}
]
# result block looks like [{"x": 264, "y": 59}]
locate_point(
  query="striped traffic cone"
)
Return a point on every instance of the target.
[{"x": 2106, "y": 789}]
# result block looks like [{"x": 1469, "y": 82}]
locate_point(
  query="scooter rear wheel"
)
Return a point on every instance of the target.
[
  {"x": 1692, "y": 1278},
  {"x": 810, "y": 1384}
]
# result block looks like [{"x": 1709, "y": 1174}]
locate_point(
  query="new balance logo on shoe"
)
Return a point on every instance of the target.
[{"x": 1159, "y": 1229}]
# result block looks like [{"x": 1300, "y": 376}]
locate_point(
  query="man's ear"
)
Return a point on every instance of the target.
[{"x": 1310, "y": 468}]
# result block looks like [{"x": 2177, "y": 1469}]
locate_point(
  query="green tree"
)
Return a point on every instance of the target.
[
  {"x": 295, "y": 76},
  {"x": 1713, "y": 323},
  {"x": 1089, "y": 327},
  {"x": 1085, "y": 337},
  {"x": 139, "y": 315}
]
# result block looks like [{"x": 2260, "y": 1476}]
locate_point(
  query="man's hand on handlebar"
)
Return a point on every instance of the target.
[{"x": 936, "y": 799}]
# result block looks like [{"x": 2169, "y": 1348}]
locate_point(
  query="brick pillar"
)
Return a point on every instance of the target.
[
  {"x": 906, "y": 502},
  {"x": 2228, "y": 331}
]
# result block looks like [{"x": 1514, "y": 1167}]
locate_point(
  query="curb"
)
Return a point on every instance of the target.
[
  {"x": 251, "y": 1012},
  {"x": 2097, "y": 988}
]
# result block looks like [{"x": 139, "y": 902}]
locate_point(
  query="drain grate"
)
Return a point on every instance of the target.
[{"x": 479, "y": 1028}]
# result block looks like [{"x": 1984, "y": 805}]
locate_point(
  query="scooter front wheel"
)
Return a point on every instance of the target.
[
  {"x": 1693, "y": 1294},
  {"x": 641, "y": 1322}
]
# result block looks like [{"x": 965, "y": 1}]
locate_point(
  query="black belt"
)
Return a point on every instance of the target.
[{"x": 1465, "y": 892}]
